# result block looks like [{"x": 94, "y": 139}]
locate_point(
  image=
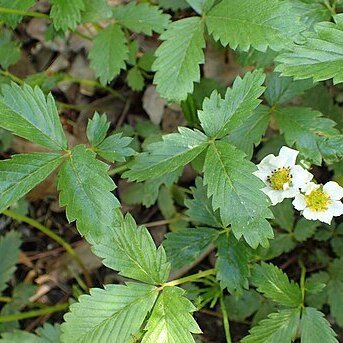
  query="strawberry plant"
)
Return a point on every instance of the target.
[{"x": 255, "y": 234}]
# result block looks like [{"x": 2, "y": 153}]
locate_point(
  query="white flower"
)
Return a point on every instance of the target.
[
  {"x": 320, "y": 202},
  {"x": 282, "y": 177}
]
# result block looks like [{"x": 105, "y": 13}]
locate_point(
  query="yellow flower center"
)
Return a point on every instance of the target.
[
  {"x": 317, "y": 200},
  {"x": 279, "y": 177}
]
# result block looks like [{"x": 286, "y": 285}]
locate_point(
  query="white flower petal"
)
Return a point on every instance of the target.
[
  {"x": 300, "y": 176},
  {"x": 299, "y": 202},
  {"x": 336, "y": 208},
  {"x": 309, "y": 214},
  {"x": 309, "y": 187},
  {"x": 325, "y": 216},
  {"x": 288, "y": 155},
  {"x": 274, "y": 196},
  {"x": 334, "y": 190},
  {"x": 261, "y": 174},
  {"x": 290, "y": 192},
  {"x": 268, "y": 163}
]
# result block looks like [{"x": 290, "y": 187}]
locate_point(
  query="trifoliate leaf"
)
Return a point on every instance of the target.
[
  {"x": 9, "y": 50},
  {"x": 275, "y": 285},
  {"x": 236, "y": 192},
  {"x": 29, "y": 114},
  {"x": 232, "y": 264},
  {"x": 171, "y": 320},
  {"x": 113, "y": 314},
  {"x": 141, "y": 18},
  {"x": 283, "y": 89},
  {"x": 278, "y": 327},
  {"x": 66, "y": 14},
  {"x": 250, "y": 133},
  {"x": 9, "y": 255},
  {"x": 178, "y": 58},
  {"x": 271, "y": 23},
  {"x": 184, "y": 246},
  {"x": 315, "y": 328},
  {"x": 135, "y": 79},
  {"x": 115, "y": 148},
  {"x": 175, "y": 151},
  {"x": 314, "y": 136},
  {"x": 219, "y": 116},
  {"x": 13, "y": 19},
  {"x": 320, "y": 57},
  {"x": 201, "y": 6},
  {"x": 23, "y": 172},
  {"x": 109, "y": 52},
  {"x": 200, "y": 207},
  {"x": 97, "y": 128},
  {"x": 95, "y": 11},
  {"x": 131, "y": 251},
  {"x": 85, "y": 190}
]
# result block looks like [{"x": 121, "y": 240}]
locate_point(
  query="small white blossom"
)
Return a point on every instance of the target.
[
  {"x": 320, "y": 202},
  {"x": 282, "y": 177}
]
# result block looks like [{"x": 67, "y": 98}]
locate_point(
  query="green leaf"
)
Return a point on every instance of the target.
[
  {"x": 115, "y": 148},
  {"x": 66, "y": 14},
  {"x": 184, "y": 246},
  {"x": 305, "y": 229},
  {"x": 272, "y": 23},
  {"x": 175, "y": 151},
  {"x": 29, "y": 114},
  {"x": 315, "y": 328},
  {"x": 113, "y": 314},
  {"x": 9, "y": 255},
  {"x": 18, "y": 336},
  {"x": 314, "y": 136},
  {"x": 170, "y": 320},
  {"x": 320, "y": 57},
  {"x": 284, "y": 215},
  {"x": 245, "y": 306},
  {"x": 173, "y": 5},
  {"x": 95, "y": 11},
  {"x": 251, "y": 131},
  {"x": 178, "y": 58},
  {"x": 12, "y": 20},
  {"x": 23, "y": 172},
  {"x": 9, "y": 50},
  {"x": 334, "y": 291},
  {"x": 135, "y": 79},
  {"x": 165, "y": 202},
  {"x": 311, "y": 12},
  {"x": 131, "y": 251},
  {"x": 97, "y": 128},
  {"x": 109, "y": 52},
  {"x": 283, "y": 89},
  {"x": 200, "y": 207},
  {"x": 219, "y": 116},
  {"x": 201, "y": 6},
  {"x": 141, "y": 18},
  {"x": 275, "y": 285},
  {"x": 278, "y": 327},
  {"x": 236, "y": 192},
  {"x": 85, "y": 189},
  {"x": 232, "y": 264}
]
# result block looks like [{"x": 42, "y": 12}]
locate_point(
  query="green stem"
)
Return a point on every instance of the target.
[
  {"x": 33, "y": 313},
  {"x": 332, "y": 8},
  {"x": 225, "y": 319},
  {"x": 24, "y": 13},
  {"x": 12, "y": 77},
  {"x": 302, "y": 281},
  {"x": 190, "y": 278},
  {"x": 52, "y": 235},
  {"x": 5, "y": 299},
  {"x": 118, "y": 170}
]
